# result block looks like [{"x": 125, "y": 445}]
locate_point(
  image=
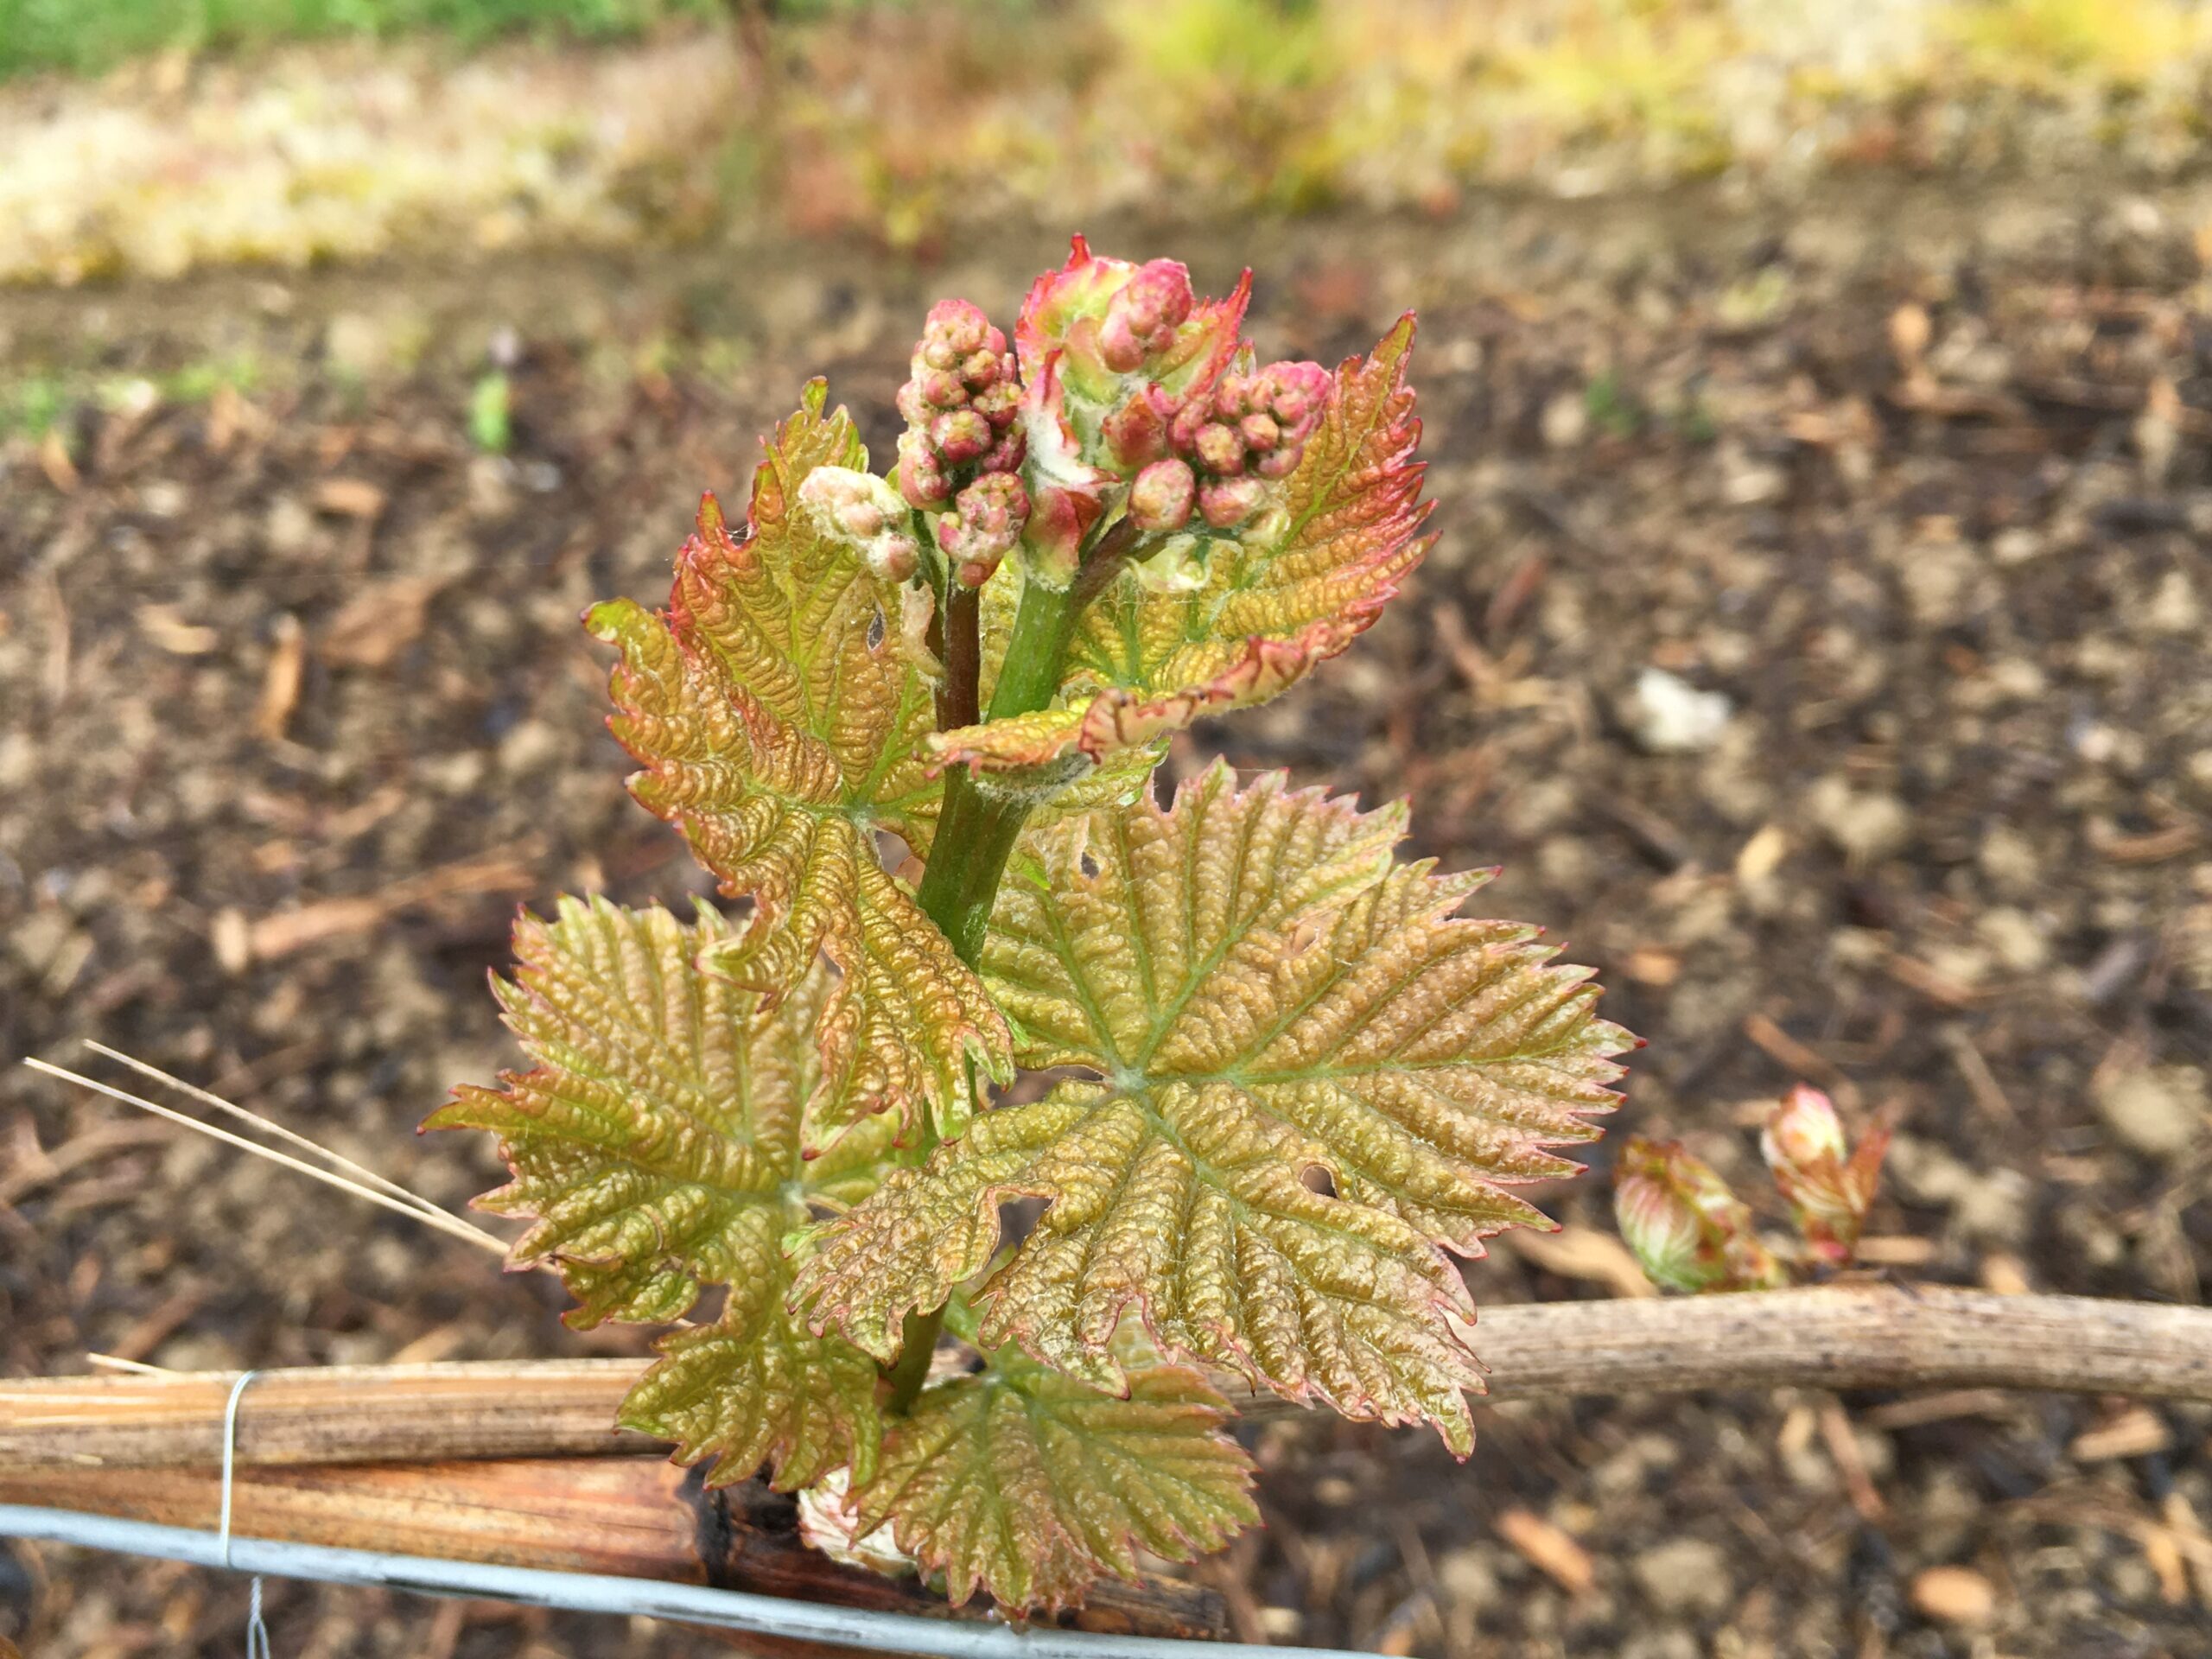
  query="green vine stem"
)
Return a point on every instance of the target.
[
  {"x": 918, "y": 1347},
  {"x": 977, "y": 827}
]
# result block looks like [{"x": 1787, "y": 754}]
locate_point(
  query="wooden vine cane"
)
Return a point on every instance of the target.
[{"x": 519, "y": 1464}]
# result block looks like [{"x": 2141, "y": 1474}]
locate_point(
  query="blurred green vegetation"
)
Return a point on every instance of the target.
[
  {"x": 90, "y": 36},
  {"x": 904, "y": 120},
  {"x": 490, "y": 414},
  {"x": 34, "y": 403}
]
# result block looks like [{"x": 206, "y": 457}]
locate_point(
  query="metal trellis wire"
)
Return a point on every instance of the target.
[{"x": 595, "y": 1592}]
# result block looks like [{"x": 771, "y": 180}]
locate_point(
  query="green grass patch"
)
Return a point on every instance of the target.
[
  {"x": 34, "y": 403},
  {"x": 86, "y": 36}
]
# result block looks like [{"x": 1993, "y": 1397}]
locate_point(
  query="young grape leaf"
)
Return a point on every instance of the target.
[
  {"x": 1032, "y": 1485},
  {"x": 1262, "y": 995},
  {"x": 1291, "y": 589},
  {"x": 656, "y": 1144},
  {"x": 777, "y": 718},
  {"x": 756, "y": 1387}
]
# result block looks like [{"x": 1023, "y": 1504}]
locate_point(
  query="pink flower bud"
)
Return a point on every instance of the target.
[
  {"x": 922, "y": 479},
  {"x": 1134, "y": 332},
  {"x": 960, "y": 435},
  {"x": 1060, "y": 517},
  {"x": 1158, "y": 296},
  {"x": 894, "y": 557},
  {"x": 986, "y": 520},
  {"x": 1228, "y": 502},
  {"x": 1279, "y": 463},
  {"x": 1119, "y": 346},
  {"x": 1260, "y": 433},
  {"x": 960, "y": 327},
  {"x": 979, "y": 370},
  {"x": 1007, "y": 454},
  {"x": 1161, "y": 497},
  {"x": 913, "y": 408},
  {"x": 1232, "y": 397},
  {"x": 867, "y": 513},
  {"x": 999, "y": 402},
  {"x": 1188, "y": 420},
  {"x": 1136, "y": 432},
  {"x": 941, "y": 389},
  {"x": 1143, "y": 315},
  {"x": 1220, "y": 450},
  {"x": 1296, "y": 393}
]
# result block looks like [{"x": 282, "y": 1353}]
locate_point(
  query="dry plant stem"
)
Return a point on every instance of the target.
[
  {"x": 1839, "y": 1337},
  {"x": 408, "y": 1205},
  {"x": 1850, "y": 1336}
]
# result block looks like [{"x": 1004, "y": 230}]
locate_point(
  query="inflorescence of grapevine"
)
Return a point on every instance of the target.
[{"x": 1289, "y": 1080}]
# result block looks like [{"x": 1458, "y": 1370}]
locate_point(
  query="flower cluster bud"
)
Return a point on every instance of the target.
[
  {"x": 1143, "y": 315},
  {"x": 984, "y": 525},
  {"x": 1830, "y": 1187},
  {"x": 1686, "y": 1229},
  {"x": 1245, "y": 430},
  {"x": 962, "y": 401},
  {"x": 867, "y": 512}
]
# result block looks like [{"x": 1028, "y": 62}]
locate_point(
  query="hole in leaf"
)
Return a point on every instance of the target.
[
  {"x": 708, "y": 1309},
  {"x": 1317, "y": 1179},
  {"x": 896, "y": 856},
  {"x": 1090, "y": 865},
  {"x": 1017, "y": 1218},
  {"x": 877, "y": 627},
  {"x": 1035, "y": 1085}
]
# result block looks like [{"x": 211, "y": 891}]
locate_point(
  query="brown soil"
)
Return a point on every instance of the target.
[{"x": 297, "y": 711}]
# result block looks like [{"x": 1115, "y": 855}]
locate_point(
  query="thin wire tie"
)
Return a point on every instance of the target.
[{"x": 257, "y": 1630}]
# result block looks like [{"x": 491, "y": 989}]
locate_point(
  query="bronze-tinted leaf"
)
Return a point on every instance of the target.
[
  {"x": 777, "y": 720},
  {"x": 1262, "y": 995},
  {"x": 1031, "y": 1484},
  {"x": 656, "y": 1144}
]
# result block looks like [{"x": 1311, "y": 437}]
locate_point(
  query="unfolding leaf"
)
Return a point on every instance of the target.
[
  {"x": 1068, "y": 739},
  {"x": 1032, "y": 1485},
  {"x": 1262, "y": 993},
  {"x": 777, "y": 718},
  {"x": 1686, "y": 1226},
  {"x": 1830, "y": 1187},
  {"x": 1290, "y": 588},
  {"x": 656, "y": 1144}
]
